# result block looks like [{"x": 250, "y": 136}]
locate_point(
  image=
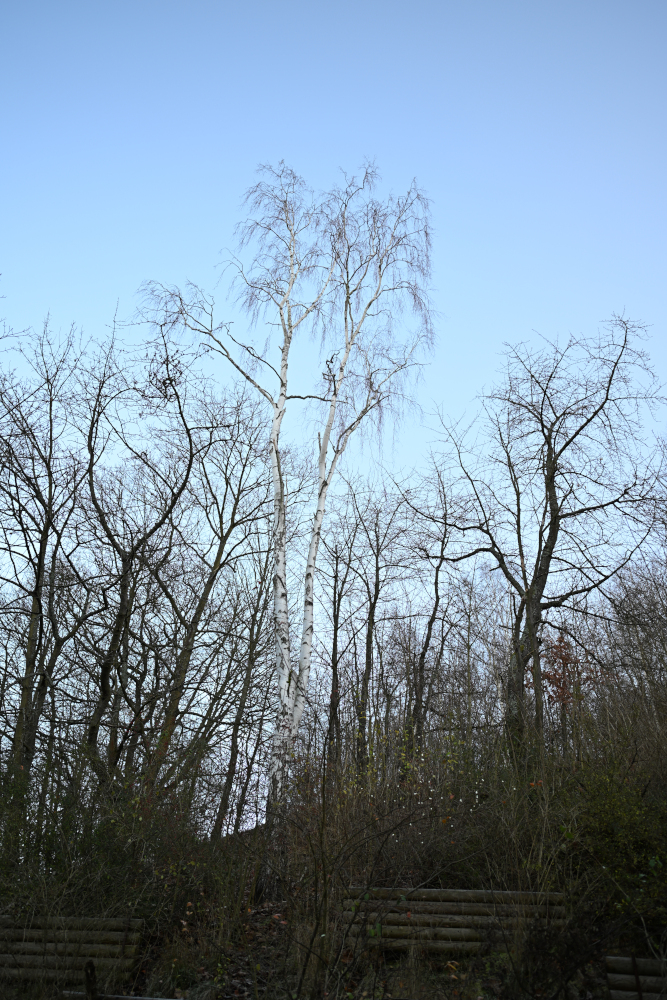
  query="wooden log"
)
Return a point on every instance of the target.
[
  {"x": 405, "y": 944},
  {"x": 123, "y": 925},
  {"x": 421, "y": 919},
  {"x": 7, "y": 972},
  {"x": 433, "y": 933},
  {"x": 648, "y": 984},
  {"x": 83, "y": 948},
  {"x": 75, "y": 995},
  {"x": 459, "y": 895},
  {"x": 86, "y": 923},
  {"x": 433, "y": 920},
  {"x": 71, "y": 976},
  {"x": 472, "y": 909},
  {"x": 62, "y": 962},
  {"x": 93, "y": 937},
  {"x": 645, "y": 966},
  {"x": 423, "y": 933},
  {"x": 623, "y": 995},
  {"x": 440, "y": 920}
]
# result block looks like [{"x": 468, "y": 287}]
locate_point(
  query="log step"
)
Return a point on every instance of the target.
[
  {"x": 435, "y": 919},
  {"x": 77, "y": 995},
  {"x": 74, "y": 937},
  {"x": 457, "y": 909},
  {"x": 82, "y": 950},
  {"x": 648, "y": 984},
  {"x": 59, "y": 947},
  {"x": 623, "y": 995},
  {"x": 644, "y": 966},
  {"x": 63, "y": 962},
  {"x": 78, "y": 923},
  {"x": 422, "y": 933},
  {"x": 459, "y": 895},
  {"x": 404, "y": 944},
  {"x": 625, "y": 974},
  {"x": 444, "y": 919}
]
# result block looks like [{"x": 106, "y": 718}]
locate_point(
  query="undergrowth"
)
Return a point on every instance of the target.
[{"x": 260, "y": 914}]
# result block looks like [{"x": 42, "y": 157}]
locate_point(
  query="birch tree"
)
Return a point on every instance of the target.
[{"x": 344, "y": 265}]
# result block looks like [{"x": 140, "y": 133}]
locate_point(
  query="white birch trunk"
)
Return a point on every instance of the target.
[
  {"x": 324, "y": 481},
  {"x": 297, "y": 687},
  {"x": 283, "y": 731},
  {"x": 306, "y": 652}
]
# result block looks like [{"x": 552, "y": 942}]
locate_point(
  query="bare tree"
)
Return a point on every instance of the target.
[
  {"x": 560, "y": 493},
  {"x": 378, "y": 562},
  {"x": 133, "y": 501},
  {"x": 135, "y": 582},
  {"x": 225, "y": 499},
  {"x": 41, "y": 476},
  {"x": 337, "y": 581},
  {"x": 344, "y": 263},
  {"x": 430, "y": 537},
  {"x": 257, "y": 592}
]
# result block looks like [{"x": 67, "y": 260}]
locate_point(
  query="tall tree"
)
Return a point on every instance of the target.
[
  {"x": 345, "y": 264},
  {"x": 41, "y": 475},
  {"x": 561, "y": 491},
  {"x": 137, "y": 414}
]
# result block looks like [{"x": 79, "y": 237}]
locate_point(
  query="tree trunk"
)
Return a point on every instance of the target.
[
  {"x": 24, "y": 720},
  {"x": 253, "y": 643}
]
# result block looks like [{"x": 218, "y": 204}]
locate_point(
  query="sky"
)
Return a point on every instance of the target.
[{"x": 130, "y": 130}]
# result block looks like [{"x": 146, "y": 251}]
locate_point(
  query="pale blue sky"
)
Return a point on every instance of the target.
[{"x": 130, "y": 130}]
